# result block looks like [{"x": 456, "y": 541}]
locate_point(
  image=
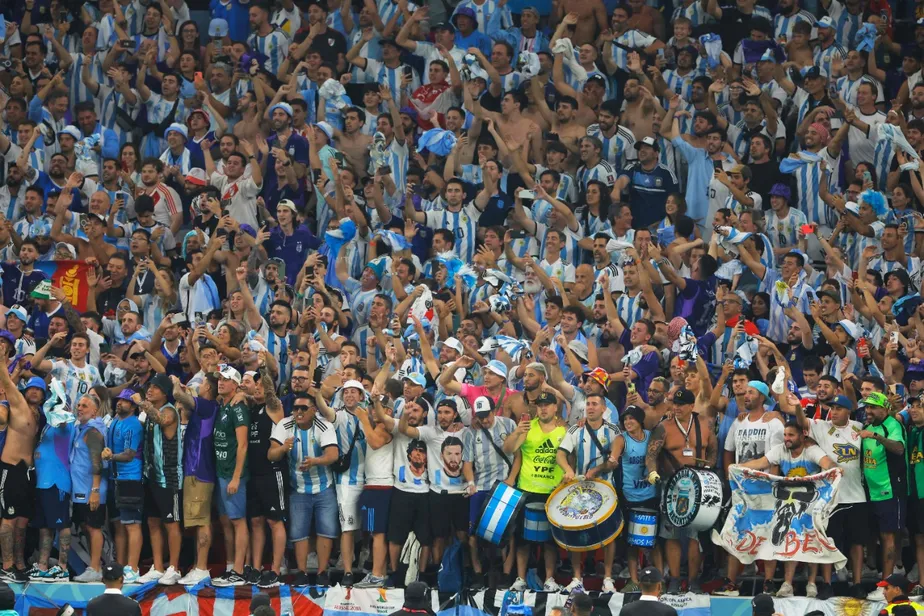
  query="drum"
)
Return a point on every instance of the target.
[
  {"x": 584, "y": 515},
  {"x": 643, "y": 527},
  {"x": 535, "y": 523},
  {"x": 693, "y": 498},
  {"x": 500, "y": 513}
]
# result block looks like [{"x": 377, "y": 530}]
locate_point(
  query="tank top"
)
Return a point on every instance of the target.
[
  {"x": 261, "y": 427},
  {"x": 635, "y": 484},
  {"x": 163, "y": 456},
  {"x": 540, "y": 473},
  {"x": 81, "y": 466}
]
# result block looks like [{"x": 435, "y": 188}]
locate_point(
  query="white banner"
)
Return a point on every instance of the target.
[{"x": 780, "y": 518}]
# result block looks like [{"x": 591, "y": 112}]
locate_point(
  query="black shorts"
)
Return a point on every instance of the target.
[
  {"x": 448, "y": 514},
  {"x": 53, "y": 509},
  {"x": 93, "y": 519},
  {"x": 266, "y": 497},
  {"x": 916, "y": 516},
  {"x": 163, "y": 503},
  {"x": 528, "y": 498},
  {"x": 374, "y": 505},
  {"x": 890, "y": 515},
  {"x": 410, "y": 511},
  {"x": 849, "y": 525},
  {"x": 17, "y": 490}
]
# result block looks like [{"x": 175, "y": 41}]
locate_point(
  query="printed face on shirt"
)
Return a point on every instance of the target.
[{"x": 451, "y": 454}]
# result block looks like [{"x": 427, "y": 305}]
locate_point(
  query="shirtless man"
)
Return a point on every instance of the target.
[
  {"x": 641, "y": 107},
  {"x": 688, "y": 439},
  {"x": 516, "y": 130},
  {"x": 563, "y": 122},
  {"x": 534, "y": 383},
  {"x": 352, "y": 142},
  {"x": 591, "y": 18},
  {"x": 17, "y": 475},
  {"x": 249, "y": 108}
]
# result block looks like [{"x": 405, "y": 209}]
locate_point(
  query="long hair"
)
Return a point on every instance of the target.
[
  {"x": 197, "y": 44},
  {"x": 605, "y": 203}
]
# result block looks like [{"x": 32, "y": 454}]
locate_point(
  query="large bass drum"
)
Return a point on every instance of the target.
[
  {"x": 500, "y": 513},
  {"x": 584, "y": 515},
  {"x": 693, "y": 498}
]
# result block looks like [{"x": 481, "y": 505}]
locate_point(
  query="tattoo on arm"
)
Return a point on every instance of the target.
[
  {"x": 185, "y": 399},
  {"x": 73, "y": 318},
  {"x": 712, "y": 450},
  {"x": 95, "y": 444},
  {"x": 152, "y": 413},
  {"x": 269, "y": 390},
  {"x": 655, "y": 444}
]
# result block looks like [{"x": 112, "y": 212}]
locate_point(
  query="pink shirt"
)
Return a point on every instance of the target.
[{"x": 471, "y": 392}]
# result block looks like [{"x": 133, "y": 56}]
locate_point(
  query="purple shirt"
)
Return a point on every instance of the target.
[
  {"x": 198, "y": 448},
  {"x": 646, "y": 368}
]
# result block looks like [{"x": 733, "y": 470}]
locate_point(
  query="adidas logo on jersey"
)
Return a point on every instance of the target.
[{"x": 546, "y": 447}]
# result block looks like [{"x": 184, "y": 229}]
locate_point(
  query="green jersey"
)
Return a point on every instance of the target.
[
  {"x": 540, "y": 472},
  {"x": 916, "y": 461},
  {"x": 886, "y": 473},
  {"x": 230, "y": 417}
]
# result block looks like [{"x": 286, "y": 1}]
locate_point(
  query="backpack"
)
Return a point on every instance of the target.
[{"x": 449, "y": 578}]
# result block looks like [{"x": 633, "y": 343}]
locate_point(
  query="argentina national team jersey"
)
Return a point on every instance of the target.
[
  {"x": 485, "y": 10},
  {"x": 490, "y": 466},
  {"x": 274, "y": 47},
  {"x": 633, "y": 39},
  {"x": 630, "y": 308},
  {"x": 463, "y": 224},
  {"x": 579, "y": 442},
  {"x": 783, "y": 24},
  {"x": 377, "y": 72},
  {"x": 617, "y": 149},
  {"x": 847, "y": 24},
  {"x": 77, "y": 381},
  {"x": 603, "y": 171},
  {"x": 808, "y": 180},
  {"x": 825, "y": 57},
  {"x": 694, "y": 12},
  {"x": 309, "y": 443},
  {"x": 347, "y": 426},
  {"x": 78, "y": 90},
  {"x": 571, "y": 251}
]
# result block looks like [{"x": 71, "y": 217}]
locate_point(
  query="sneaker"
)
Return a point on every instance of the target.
[
  {"x": 728, "y": 589},
  {"x": 624, "y": 574},
  {"x": 370, "y": 581},
  {"x": 35, "y": 574},
  {"x": 811, "y": 590},
  {"x": 229, "y": 578},
  {"x": 876, "y": 595},
  {"x": 519, "y": 585},
  {"x": 630, "y": 588},
  {"x": 151, "y": 576},
  {"x": 574, "y": 585},
  {"x": 194, "y": 577},
  {"x": 300, "y": 579},
  {"x": 269, "y": 579},
  {"x": 312, "y": 561},
  {"x": 347, "y": 580},
  {"x": 129, "y": 575},
  {"x": 323, "y": 578},
  {"x": 608, "y": 585},
  {"x": 825, "y": 591},
  {"x": 917, "y": 591},
  {"x": 898, "y": 570},
  {"x": 696, "y": 587},
  {"x": 90, "y": 576},
  {"x": 842, "y": 574},
  {"x": 769, "y": 587},
  {"x": 170, "y": 577},
  {"x": 552, "y": 586},
  {"x": 56, "y": 574},
  {"x": 251, "y": 576},
  {"x": 673, "y": 587},
  {"x": 786, "y": 590}
]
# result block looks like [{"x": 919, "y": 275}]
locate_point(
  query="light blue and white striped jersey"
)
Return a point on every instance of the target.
[
  {"x": 387, "y": 10},
  {"x": 694, "y": 12},
  {"x": 560, "y": 269},
  {"x": 309, "y": 443},
  {"x": 360, "y": 301},
  {"x": 77, "y": 381},
  {"x": 808, "y": 180},
  {"x": 511, "y": 81},
  {"x": 718, "y": 350},
  {"x": 158, "y": 110},
  {"x": 335, "y": 22},
  {"x": 603, "y": 171},
  {"x": 803, "y": 295},
  {"x": 134, "y": 15},
  {"x": 484, "y": 11},
  {"x": 372, "y": 49},
  {"x": 571, "y": 251},
  {"x": 33, "y": 227},
  {"x": 680, "y": 84},
  {"x": 578, "y": 84},
  {"x": 77, "y": 90},
  {"x": 731, "y": 115},
  {"x": 396, "y": 155},
  {"x": 347, "y": 425},
  {"x": 464, "y": 224},
  {"x": 579, "y": 442},
  {"x": 110, "y": 102},
  {"x": 567, "y": 187},
  {"x": 882, "y": 162},
  {"x": 784, "y": 232},
  {"x": 883, "y": 266},
  {"x": 274, "y": 46},
  {"x": 172, "y": 160},
  {"x": 361, "y": 336},
  {"x": 825, "y": 57},
  {"x": 591, "y": 224},
  {"x": 617, "y": 149},
  {"x": 783, "y": 24},
  {"x": 630, "y": 308},
  {"x": 846, "y": 24},
  {"x": 633, "y": 39},
  {"x": 377, "y": 72},
  {"x": 897, "y": 217},
  {"x": 489, "y": 466},
  {"x": 847, "y": 88}
]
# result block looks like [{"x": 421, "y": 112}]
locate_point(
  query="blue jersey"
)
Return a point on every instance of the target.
[
  {"x": 52, "y": 458},
  {"x": 126, "y": 433},
  {"x": 635, "y": 483}
]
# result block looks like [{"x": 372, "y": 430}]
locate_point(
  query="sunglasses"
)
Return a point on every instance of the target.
[{"x": 301, "y": 408}]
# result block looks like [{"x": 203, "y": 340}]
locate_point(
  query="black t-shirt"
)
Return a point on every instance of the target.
[
  {"x": 763, "y": 177},
  {"x": 108, "y": 300},
  {"x": 330, "y": 44},
  {"x": 733, "y": 27},
  {"x": 261, "y": 427}
]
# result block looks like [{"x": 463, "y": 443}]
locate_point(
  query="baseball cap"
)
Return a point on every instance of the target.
[
  {"x": 197, "y": 176},
  {"x": 455, "y": 344},
  {"x": 762, "y": 605},
  {"x": 842, "y": 401},
  {"x": 287, "y": 203},
  {"x": 417, "y": 593},
  {"x": 497, "y": 367},
  {"x": 761, "y": 387},
  {"x": 416, "y": 378},
  {"x": 781, "y": 190},
  {"x": 876, "y": 399},
  {"x": 226, "y": 371},
  {"x": 71, "y": 130},
  {"x": 218, "y": 28},
  {"x": 546, "y": 398},
  {"x": 649, "y": 141},
  {"x": 353, "y": 383},
  {"x": 598, "y": 79},
  {"x": 815, "y": 72},
  {"x": 389, "y": 41},
  {"x": 19, "y": 311},
  {"x": 444, "y": 26},
  {"x": 69, "y": 248},
  {"x": 650, "y": 575},
  {"x": 327, "y": 129},
  {"x": 827, "y": 22},
  {"x": 684, "y": 396},
  {"x": 483, "y": 405},
  {"x": 112, "y": 572},
  {"x": 896, "y": 579}
]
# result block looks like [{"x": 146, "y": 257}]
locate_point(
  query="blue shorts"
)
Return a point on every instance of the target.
[
  {"x": 235, "y": 507},
  {"x": 374, "y": 504},
  {"x": 320, "y": 507},
  {"x": 475, "y": 508},
  {"x": 54, "y": 509}
]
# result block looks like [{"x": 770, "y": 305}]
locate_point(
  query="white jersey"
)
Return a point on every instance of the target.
[
  {"x": 751, "y": 440},
  {"x": 77, "y": 381},
  {"x": 842, "y": 445}
]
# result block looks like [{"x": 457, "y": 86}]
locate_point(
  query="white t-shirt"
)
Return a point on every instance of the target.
[
  {"x": 239, "y": 197},
  {"x": 808, "y": 462},
  {"x": 750, "y": 440},
  {"x": 863, "y": 145},
  {"x": 842, "y": 445},
  {"x": 380, "y": 464},
  {"x": 444, "y": 458},
  {"x": 410, "y": 474}
]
